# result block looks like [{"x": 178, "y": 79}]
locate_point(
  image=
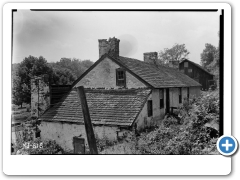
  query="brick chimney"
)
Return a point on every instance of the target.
[
  {"x": 174, "y": 64},
  {"x": 110, "y": 46},
  {"x": 40, "y": 96},
  {"x": 150, "y": 57}
]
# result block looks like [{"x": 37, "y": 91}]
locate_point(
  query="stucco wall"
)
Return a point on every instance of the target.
[
  {"x": 104, "y": 76},
  {"x": 143, "y": 120},
  {"x": 174, "y": 97},
  {"x": 63, "y": 133}
]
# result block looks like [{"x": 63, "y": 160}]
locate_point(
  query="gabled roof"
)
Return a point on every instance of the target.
[
  {"x": 156, "y": 75},
  {"x": 118, "y": 107},
  {"x": 150, "y": 74},
  {"x": 200, "y": 67}
]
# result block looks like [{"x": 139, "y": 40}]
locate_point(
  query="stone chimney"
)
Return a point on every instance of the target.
[
  {"x": 150, "y": 57},
  {"x": 110, "y": 46},
  {"x": 40, "y": 96},
  {"x": 174, "y": 64}
]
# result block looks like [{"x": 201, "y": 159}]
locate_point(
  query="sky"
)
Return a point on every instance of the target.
[{"x": 75, "y": 34}]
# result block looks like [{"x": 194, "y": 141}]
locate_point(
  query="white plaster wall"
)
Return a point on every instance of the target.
[
  {"x": 104, "y": 76},
  {"x": 184, "y": 94},
  {"x": 143, "y": 120},
  {"x": 174, "y": 97},
  {"x": 63, "y": 133}
]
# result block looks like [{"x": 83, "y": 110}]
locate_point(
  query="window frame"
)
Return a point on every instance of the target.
[{"x": 121, "y": 82}]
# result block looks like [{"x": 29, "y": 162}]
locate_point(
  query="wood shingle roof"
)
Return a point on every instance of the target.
[
  {"x": 107, "y": 107},
  {"x": 156, "y": 75}
]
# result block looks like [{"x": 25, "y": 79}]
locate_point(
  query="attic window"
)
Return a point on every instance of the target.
[
  {"x": 180, "y": 95},
  {"x": 161, "y": 95},
  {"x": 149, "y": 107},
  {"x": 185, "y": 64},
  {"x": 120, "y": 77}
]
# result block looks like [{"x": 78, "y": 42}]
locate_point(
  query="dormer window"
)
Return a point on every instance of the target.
[{"x": 120, "y": 77}]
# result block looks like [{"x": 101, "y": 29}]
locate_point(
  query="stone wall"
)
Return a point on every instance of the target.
[
  {"x": 63, "y": 132},
  {"x": 104, "y": 76},
  {"x": 110, "y": 47},
  {"x": 40, "y": 96},
  {"x": 150, "y": 57}
]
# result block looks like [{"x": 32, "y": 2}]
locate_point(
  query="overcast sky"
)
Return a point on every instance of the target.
[{"x": 54, "y": 35}]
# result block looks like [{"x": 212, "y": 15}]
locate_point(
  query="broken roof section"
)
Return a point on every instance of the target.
[{"x": 118, "y": 107}]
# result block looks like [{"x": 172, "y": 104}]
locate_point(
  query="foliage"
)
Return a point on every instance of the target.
[
  {"x": 183, "y": 133},
  {"x": 28, "y": 68},
  {"x": 176, "y": 53},
  {"x": 214, "y": 65},
  {"x": 28, "y": 144},
  {"x": 208, "y": 54},
  {"x": 64, "y": 72},
  {"x": 62, "y": 76},
  {"x": 76, "y": 66},
  {"x": 37, "y": 146}
]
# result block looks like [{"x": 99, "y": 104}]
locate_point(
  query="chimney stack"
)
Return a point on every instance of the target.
[
  {"x": 40, "y": 97},
  {"x": 110, "y": 46},
  {"x": 174, "y": 64},
  {"x": 150, "y": 57}
]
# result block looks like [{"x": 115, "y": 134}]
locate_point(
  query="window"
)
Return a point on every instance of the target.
[
  {"x": 120, "y": 77},
  {"x": 150, "y": 110},
  {"x": 189, "y": 70},
  {"x": 161, "y": 95},
  {"x": 180, "y": 94},
  {"x": 185, "y": 64}
]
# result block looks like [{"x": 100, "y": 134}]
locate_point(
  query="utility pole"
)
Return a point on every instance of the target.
[{"x": 87, "y": 121}]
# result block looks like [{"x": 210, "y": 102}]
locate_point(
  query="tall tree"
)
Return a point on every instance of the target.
[
  {"x": 213, "y": 67},
  {"x": 208, "y": 54},
  {"x": 63, "y": 76},
  {"x": 176, "y": 53},
  {"x": 31, "y": 66}
]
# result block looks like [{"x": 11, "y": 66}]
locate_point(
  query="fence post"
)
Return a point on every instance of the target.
[{"x": 87, "y": 121}]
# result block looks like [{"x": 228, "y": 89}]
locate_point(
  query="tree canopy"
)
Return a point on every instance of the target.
[
  {"x": 176, "y": 53},
  {"x": 208, "y": 54},
  {"x": 64, "y": 72}
]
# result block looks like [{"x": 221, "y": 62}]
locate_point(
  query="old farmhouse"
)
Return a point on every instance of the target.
[
  {"x": 197, "y": 72},
  {"x": 123, "y": 94}
]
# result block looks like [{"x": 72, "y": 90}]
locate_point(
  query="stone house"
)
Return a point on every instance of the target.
[{"x": 123, "y": 94}]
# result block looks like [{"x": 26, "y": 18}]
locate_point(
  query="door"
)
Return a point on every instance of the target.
[
  {"x": 167, "y": 101},
  {"x": 79, "y": 145}
]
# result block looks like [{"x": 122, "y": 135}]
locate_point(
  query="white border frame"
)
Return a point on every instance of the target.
[{"x": 104, "y": 165}]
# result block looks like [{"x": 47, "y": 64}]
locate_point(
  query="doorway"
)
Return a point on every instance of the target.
[{"x": 167, "y": 101}]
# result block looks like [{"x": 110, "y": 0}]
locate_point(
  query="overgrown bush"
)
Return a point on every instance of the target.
[
  {"x": 183, "y": 132},
  {"x": 38, "y": 146}
]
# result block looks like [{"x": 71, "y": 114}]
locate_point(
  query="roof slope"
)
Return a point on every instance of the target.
[
  {"x": 107, "y": 107},
  {"x": 200, "y": 67},
  {"x": 158, "y": 76}
]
